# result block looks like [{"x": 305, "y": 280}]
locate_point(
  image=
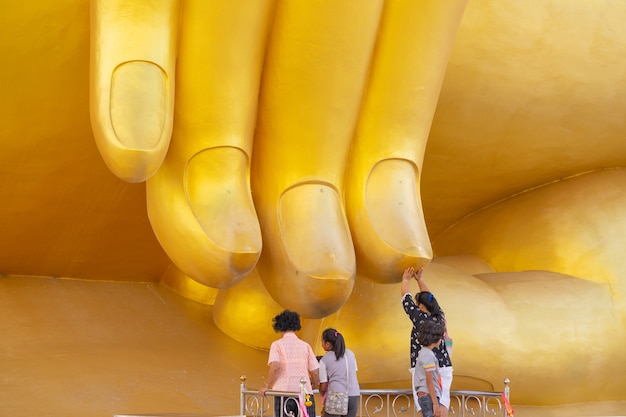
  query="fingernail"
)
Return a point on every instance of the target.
[
  {"x": 138, "y": 104},
  {"x": 314, "y": 250},
  {"x": 217, "y": 188},
  {"x": 315, "y": 232},
  {"x": 395, "y": 208}
]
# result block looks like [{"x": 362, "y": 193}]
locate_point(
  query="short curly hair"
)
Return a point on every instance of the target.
[
  {"x": 430, "y": 332},
  {"x": 287, "y": 321}
]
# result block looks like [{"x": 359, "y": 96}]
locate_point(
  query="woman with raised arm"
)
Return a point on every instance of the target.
[{"x": 426, "y": 308}]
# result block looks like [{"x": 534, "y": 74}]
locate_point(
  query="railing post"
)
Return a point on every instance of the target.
[
  {"x": 302, "y": 399},
  {"x": 506, "y": 392},
  {"x": 507, "y": 381},
  {"x": 242, "y": 396}
]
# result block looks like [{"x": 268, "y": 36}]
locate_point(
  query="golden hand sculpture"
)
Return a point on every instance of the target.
[
  {"x": 298, "y": 132},
  {"x": 288, "y": 102}
]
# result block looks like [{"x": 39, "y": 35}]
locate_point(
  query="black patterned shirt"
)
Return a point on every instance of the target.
[{"x": 418, "y": 318}]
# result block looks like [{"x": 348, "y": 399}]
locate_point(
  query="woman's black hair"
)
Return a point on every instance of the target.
[
  {"x": 430, "y": 302},
  {"x": 336, "y": 340},
  {"x": 430, "y": 332},
  {"x": 287, "y": 321}
]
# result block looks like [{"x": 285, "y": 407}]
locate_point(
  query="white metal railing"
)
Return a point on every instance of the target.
[{"x": 384, "y": 403}]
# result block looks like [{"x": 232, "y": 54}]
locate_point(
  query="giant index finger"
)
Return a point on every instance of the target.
[{"x": 133, "y": 55}]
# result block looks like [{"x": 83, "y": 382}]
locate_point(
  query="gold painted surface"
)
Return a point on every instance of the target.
[
  {"x": 174, "y": 279},
  {"x": 92, "y": 348},
  {"x": 529, "y": 97}
]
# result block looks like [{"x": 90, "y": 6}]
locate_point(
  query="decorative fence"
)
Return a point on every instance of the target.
[{"x": 384, "y": 403}]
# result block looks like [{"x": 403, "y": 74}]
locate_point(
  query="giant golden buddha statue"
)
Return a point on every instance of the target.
[{"x": 230, "y": 159}]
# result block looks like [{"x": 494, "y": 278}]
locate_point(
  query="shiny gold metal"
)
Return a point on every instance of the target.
[{"x": 300, "y": 154}]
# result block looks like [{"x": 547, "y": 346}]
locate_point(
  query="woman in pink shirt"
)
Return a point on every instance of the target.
[{"x": 290, "y": 360}]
